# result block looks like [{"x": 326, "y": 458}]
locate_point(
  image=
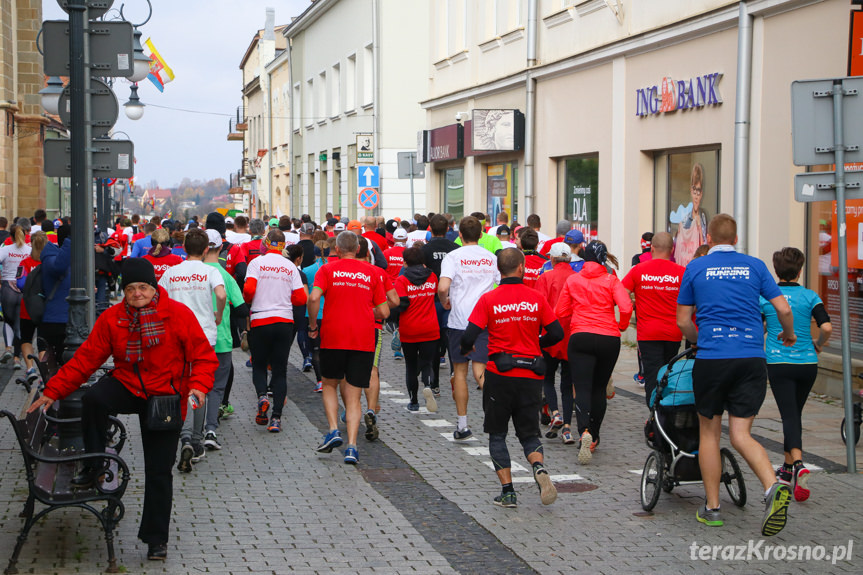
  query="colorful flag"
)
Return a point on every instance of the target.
[{"x": 160, "y": 73}]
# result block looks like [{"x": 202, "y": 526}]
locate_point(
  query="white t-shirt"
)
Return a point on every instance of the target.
[
  {"x": 507, "y": 244},
  {"x": 417, "y": 236},
  {"x": 236, "y": 238},
  {"x": 277, "y": 279},
  {"x": 130, "y": 233},
  {"x": 11, "y": 257},
  {"x": 291, "y": 239},
  {"x": 473, "y": 271},
  {"x": 192, "y": 283}
]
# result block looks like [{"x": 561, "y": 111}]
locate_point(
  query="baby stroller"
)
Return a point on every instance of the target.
[{"x": 672, "y": 432}]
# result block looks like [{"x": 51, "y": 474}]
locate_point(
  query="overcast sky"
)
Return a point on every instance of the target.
[{"x": 203, "y": 42}]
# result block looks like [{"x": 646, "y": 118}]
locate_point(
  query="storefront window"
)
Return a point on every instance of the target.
[
  {"x": 686, "y": 186},
  {"x": 453, "y": 192},
  {"x": 579, "y": 195},
  {"x": 502, "y": 190}
]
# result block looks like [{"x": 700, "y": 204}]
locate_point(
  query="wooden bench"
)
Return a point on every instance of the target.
[{"x": 50, "y": 470}]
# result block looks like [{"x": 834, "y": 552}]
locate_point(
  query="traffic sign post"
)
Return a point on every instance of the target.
[
  {"x": 368, "y": 198},
  {"x": 816, "y": 106}
]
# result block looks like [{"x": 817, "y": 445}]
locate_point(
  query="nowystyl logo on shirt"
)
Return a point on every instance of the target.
[
  {"x": 189, "y": 278},
  {"x": 426, "y": 286},
  {"x": 727, "y": 273},
  {"x": 515, "y": 312},
  {"x": 352, "y": 279},
  {"x": 665, "y": 282}
]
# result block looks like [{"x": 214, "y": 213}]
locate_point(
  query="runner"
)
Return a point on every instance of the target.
[
  {"x": 160, "y": 254},
  {"x": 466, "y": 274},
  {"x": 315, "y": 343},
  {"x": 273, "y": 287},
  {"x": 421, "y": 234},
  {"x": 730, "y": 372},
  {"x": 347, "y": 348},
  {"x": 394, "y": 255},
  {"x": 11, "y": 256},
  {"x": 533, "y": 260},
  {"x": 654, "y": 285},
  {"x": 792, "y": 370},
  {"x": 514, "y": 316}
]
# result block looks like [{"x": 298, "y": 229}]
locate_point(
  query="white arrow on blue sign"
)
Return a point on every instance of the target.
[{"x": 368, "y": 177}]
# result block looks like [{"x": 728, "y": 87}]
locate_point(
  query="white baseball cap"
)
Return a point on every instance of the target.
[
  {"x": 229, "y": 220},
  {"x": 340, "y": 227},
  {"x": 559, "y": 249},
  {"x": 214, "y": 237},
  {"x": 400, "y": 234}
]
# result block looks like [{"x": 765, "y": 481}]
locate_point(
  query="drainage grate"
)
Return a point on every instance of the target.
[{"x": 574, "y": 487}]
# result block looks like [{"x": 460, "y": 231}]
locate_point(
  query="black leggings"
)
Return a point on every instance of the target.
[
  {"x": 419, "y": 360},
  {"x": 270, "y": 346},
  {"x": 226, "y": 396},
  {"x": 591, "y": 359},
  {"x": 11, "y": 302},
  {"x": 791, "y": 384},
  {"x": 565, "y": 387},
  {"x": 652, "y": 356}
]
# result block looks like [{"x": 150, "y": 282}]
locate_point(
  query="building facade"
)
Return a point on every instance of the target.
[{"x": 632, "y": 101}]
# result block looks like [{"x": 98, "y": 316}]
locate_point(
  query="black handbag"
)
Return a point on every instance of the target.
[{"x": 164, "y": 412}]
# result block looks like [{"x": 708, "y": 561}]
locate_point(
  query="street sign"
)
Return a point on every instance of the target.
[
  {"x": 97, "y": 7},
  {"x": 820, "y": 186},
  {"x": 365, "y": 149},
  {"x": 114, "y": 158},
  {"x": 104, "y": 108},
  {"x": 368, "y": 177},
  {"x": 408, "y": 160},
  {"x": 812, "y": 121},
  {"x": 111, "y": 52},
  {"x": 368, "y": 198}
]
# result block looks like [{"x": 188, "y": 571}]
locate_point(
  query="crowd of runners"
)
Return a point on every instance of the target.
[{"x": 533, "y": 321}]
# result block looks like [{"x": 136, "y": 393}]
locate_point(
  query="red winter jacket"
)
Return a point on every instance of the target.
[
  {"x": 550, "y": 286},
  {"x": 590, "y": 297},
  {"x": 184, "y": 343}
]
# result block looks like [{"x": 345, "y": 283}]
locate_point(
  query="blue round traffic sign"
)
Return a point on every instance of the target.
[{"x": 368, "y": 198}]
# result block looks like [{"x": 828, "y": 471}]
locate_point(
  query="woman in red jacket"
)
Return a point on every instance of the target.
[
  {"x": 152, "y": 338},
  {"x": 590, "y": 297}
]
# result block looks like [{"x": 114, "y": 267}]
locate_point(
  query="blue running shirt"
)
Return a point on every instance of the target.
[
  {"x": 724, "y": 287},
  {"x": 802, "y": 301}
]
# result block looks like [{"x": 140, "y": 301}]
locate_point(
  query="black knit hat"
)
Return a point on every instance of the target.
[
  {"x": 216, "y": 221},
  {"x": 136, "y": 270}
]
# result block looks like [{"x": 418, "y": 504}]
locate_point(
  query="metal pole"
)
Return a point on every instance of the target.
[
  {"x": 411, "y": 157},
  {"x": 100, "y": 203},
  {"x": 83, "y": 268},
  {"x": 839, "y": 153},
  {"x": 741, "y": 127}
]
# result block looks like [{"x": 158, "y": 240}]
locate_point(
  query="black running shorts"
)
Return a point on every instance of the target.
[
  {"x": 354, "y": 366},
  {"x": 454, "y": 344},
  {"x": 737, "y": 386},
  {"x": 516, "y": 398}
]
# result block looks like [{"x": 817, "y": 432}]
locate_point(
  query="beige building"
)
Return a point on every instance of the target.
[
  {"x": 629, "y": 97},
  {"x": 22, "y": 182}
]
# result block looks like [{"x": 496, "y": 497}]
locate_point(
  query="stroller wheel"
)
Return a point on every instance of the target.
[
  {"x": 652, "y": 479},
  {"x": 667, "y": 485},
  {"x": 732, "y": 477}
]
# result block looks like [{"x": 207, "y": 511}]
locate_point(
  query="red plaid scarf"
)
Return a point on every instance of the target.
[{"x": 144, "y": 325}]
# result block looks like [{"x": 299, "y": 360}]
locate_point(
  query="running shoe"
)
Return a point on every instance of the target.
[
  {"x": 342, "y": 415},
  {"x": 783, "y": 475},
  {"x": 331, "y": 440},
  {"x": 244, "y": 341},
  {"x": 200, "y": 453},
  {"x": 443, "y": 360},
  {"x": 544, "y": 415},
  {"x": 639, "y": 379},
  {"x": 566, "y": 437},
  {"x": 431, "y": 402},
  {"x": 249, "y": 362},
  {"x": 307, "y": 364},
  {"x": 547, "y": 490},
  {"x": 275, "y": 425},
  {"x": 584, "y": 453},
  {"x": 351, "y": 455},
  {"x": 710, "y": 517},
  {"x": 226, "y": 411},
  {"x": 609, "y": 389},
  {"x": 798, "y": 484},
  {"x": 7, "y": 355},
  {"x": 506, "y": 499},
  {"x": 263, "y": 407},
  {"x": 413, "y": 407},
  {"x": 211, "y": 442},
  {"x": 555, "y": 425},
  {"x": 32, "y": 375},
  {"x": 461, "y": 434},
  {"x": 319, "y": 387},
  {"x": 398, "y": 355},
  {"x": 775, "y": 509},
  {"x": 371, "y": 421},
  {"x": 594, "y": 444},
  {"x": 186, "y": 453},
  {"x": 436, "y": 392},
  {"x": 19, "y": 364}
]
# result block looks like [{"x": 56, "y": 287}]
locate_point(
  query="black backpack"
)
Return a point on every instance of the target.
[{"x": 33, "y": 295}]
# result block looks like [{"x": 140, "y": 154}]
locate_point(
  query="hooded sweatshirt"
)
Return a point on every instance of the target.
[
  {"x": 589, "y": 297},
  {"x": 416, "y": 288}
]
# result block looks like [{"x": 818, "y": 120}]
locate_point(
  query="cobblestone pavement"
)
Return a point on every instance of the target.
[{"x": 419, "y": 502}]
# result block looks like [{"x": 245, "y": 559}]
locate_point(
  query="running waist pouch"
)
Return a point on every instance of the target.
[{"x": 506, "y": 361}]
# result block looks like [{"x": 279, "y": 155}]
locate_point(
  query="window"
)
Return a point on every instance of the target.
[
  {"x": 579, "y": 193},
  {"x": 502, "y": 190},
  {"x": 351, "y": 83},
  {"x": 295, "y": 106},
  {"x": 686, "y": 181},
  {"x": 368, "y": 75},
  {"x": 453, "y": 192},
  {"x": 336, "y": 90},
  {"x": 309, "y": 111},
  {"x": 321, "y": 108}
]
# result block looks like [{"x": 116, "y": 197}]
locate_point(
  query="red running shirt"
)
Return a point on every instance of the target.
[
  {"x": 161, "y": 264},
  {"x": 514, "y": 315},
  {"x": 352, "y": 291},
  {"x": 414, "y": 323},
  {"x": 395, "y": 260},
  {"x": 655, "y": 284},
  {"x": 24, "y": 268},
  {"x": 532, "y": 268}
]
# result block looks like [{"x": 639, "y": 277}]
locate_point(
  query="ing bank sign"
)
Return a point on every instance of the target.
[{"x": 670, "y": 95}]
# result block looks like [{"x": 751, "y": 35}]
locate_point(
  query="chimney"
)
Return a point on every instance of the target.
[{"x": 269, "y": 33}]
